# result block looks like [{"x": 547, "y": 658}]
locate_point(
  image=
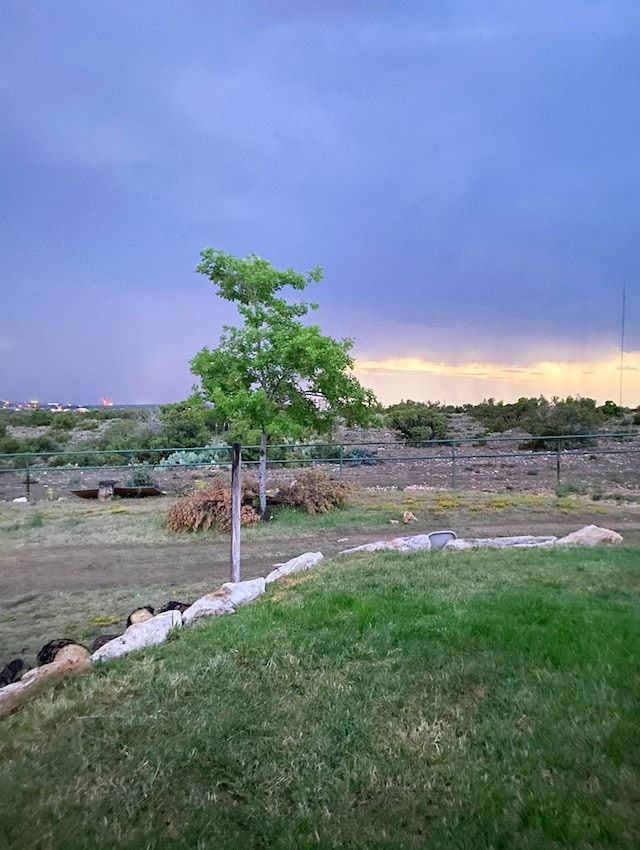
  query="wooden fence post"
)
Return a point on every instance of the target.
[{"x": 236, "y": 508}]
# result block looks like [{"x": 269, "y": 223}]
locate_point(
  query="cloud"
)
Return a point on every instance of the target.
[
  {"x": 469, "y": 382},
  {"x": 467, "y": 174}
]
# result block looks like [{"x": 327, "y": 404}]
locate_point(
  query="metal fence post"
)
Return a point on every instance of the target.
[
  {"x": 340, "y": 461},
  {"x": 27, "y": 478},
  {"x": 453, "y": 464},
  {"x": 558, "y": 461}
]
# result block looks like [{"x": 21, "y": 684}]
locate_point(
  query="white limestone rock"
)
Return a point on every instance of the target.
[
  {"x": 525, "y": 541},
  {"x": 225, "y": 600},
  {"x": 139, "y": 635},
  {"x": 366, "y": 547},
  {"x": 295, "y": 565},
  {"x": 208, "y": 606},
  {"x": 414, "y": 543},
  {"x": 241, "y": 592},
  {"x": 591, "y": 535}
]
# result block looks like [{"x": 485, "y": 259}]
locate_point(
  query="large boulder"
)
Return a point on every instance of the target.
[
  {"x": 225, "y": 600},
  {"x": 591, "y": 535},
  {"x": 295, "y": 565},
  {"x": 139, "y": 635}
]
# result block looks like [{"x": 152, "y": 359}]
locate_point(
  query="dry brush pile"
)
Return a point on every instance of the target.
[{"x": 210, "y": 505}]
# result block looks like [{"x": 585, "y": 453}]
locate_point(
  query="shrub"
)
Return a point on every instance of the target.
[
  {"x": 498, "y": 417},
  {"x": 43, "y": 444},
  {"x": 40, "y": 416},
  {"x": 323, "y": 451},
  {"x": 8, "y": 444},
  {"x": 141, "y": 478},
  {"x": 220, "y": 453},
  {"x": 417, "y": 421},
  {"x": 313, "y": 491},
  {"x": 361, "y": 457},
  {"x": 211, "y": 506},
  {"x": 188, "y": 424},
  {"x": 612, "y": 410},
  {"x": 543, "y": 418},
  {"x": 65, "y": 421},
  {"x": 123, "y": 434},
  {"x": 567, "y": 488}
]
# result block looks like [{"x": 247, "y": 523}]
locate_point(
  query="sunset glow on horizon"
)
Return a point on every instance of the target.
[{"x": 397, "y": 378}]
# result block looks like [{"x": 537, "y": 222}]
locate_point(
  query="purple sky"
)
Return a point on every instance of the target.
[{"x": 467, "y": 174}]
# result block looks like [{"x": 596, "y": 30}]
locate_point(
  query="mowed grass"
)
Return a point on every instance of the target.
[{"x": 483, "y": 699}]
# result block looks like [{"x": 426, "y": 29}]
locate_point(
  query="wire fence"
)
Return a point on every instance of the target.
[{"x": 490, "y": 463}]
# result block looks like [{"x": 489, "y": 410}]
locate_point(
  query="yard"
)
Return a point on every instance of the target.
[
  {"x": 455, "y": 700},
  {"x": 74, "y": 569}
]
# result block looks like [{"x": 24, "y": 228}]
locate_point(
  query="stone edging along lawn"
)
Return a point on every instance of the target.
[{"x": 75, "y": 658}]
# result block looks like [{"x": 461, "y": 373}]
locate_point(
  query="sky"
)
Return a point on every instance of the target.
[{"x": 466, "y": 173}]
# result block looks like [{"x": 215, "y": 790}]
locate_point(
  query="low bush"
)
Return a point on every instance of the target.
[
  {"x": 141, "y": 478},
  {"x": 219, "y": 453},
  {"x": 361, "y": 457},
  {"x": 65, "y": 421},
  {"x": 417, "y": 421},
  {"x": 568, "y": 488}
]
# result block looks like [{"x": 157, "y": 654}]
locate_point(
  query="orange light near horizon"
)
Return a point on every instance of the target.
[
  {"x": 106, "y": 402},
  {"x": 393, "y": 378}
]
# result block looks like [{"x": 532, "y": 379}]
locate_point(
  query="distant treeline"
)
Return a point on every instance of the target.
[{"x": 145, "y": 430}]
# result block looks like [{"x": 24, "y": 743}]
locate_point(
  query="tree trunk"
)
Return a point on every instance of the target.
[{"x": 262, "y": 475}]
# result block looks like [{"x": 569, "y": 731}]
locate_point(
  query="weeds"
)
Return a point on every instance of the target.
[
  {"x": 103, "y": 622},
  {"x": 568, "y": 488},
  {"x": 36, "y": 520}
]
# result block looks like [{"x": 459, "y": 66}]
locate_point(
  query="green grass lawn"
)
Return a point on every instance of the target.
[{"x": 483, "y": 699}]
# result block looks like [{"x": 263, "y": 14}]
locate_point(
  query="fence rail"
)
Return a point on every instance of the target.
[{"x": 557, "y": 457}]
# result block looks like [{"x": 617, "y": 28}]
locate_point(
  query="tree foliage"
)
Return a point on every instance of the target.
[{"x": 274, "y": 373}]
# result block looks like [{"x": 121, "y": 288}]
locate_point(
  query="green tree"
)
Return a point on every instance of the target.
[{"x": 274, "y": 373}]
